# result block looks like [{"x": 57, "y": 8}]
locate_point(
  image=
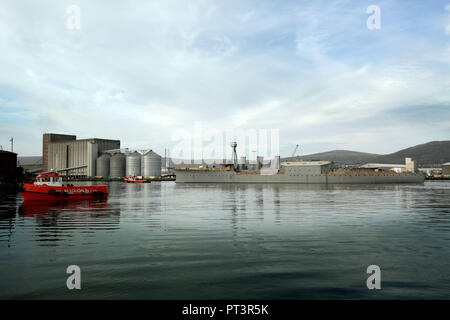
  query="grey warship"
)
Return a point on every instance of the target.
[{"x": 295, "y": 172}]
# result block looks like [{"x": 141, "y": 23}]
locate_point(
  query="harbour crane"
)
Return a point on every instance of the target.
[{"x": 233, "y": 146}]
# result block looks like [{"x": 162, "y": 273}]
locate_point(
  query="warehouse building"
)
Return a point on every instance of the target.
[
  {"x": 431, "y": 172},
  {"x": 446, "y": 169},
  {"x": 79, "y": 156},
  {"x": 8, "y": 166},
  {"x": 383, "y": 167},
  {"x": 409, "y": 166},
  {"x": 49, "y": 138}
]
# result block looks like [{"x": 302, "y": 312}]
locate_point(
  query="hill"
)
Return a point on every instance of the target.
[
  {"x": 435, "y": 152},
  {"x": 427, "y": 154},
  {"x": 338, "y": 156},
  {"x": 29, "y": 160}
]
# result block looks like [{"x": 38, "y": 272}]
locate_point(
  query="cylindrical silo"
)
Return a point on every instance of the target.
[
  {"x": 117, "y": 166},
  {"x": 133, "y": 164},
  {"x": 152, "y": 164},
  {"x": 103, "y": 164}
]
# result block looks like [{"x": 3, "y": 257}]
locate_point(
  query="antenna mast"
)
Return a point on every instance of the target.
[
  {"x": 233, "y": 146},
  {"x": 295, "y": 150}
]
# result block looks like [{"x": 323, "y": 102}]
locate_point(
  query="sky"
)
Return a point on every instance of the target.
[{"x": 141, "y": 71}]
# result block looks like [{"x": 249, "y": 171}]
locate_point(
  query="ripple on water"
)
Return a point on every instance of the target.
[{"x": 167, "y": 240}]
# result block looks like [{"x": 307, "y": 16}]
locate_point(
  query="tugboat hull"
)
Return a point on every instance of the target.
[{"x": 34, "y": 192}]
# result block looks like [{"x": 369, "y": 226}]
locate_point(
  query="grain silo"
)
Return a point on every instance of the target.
[
  {"x": 133, "y": 164},
  {"x": 152, "y": 164},
  {"x": 103, "y": 165},
  {"x": 117, "y": 168}
]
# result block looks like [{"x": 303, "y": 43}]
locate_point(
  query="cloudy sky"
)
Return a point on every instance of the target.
[{"x": 140, "y": 70}]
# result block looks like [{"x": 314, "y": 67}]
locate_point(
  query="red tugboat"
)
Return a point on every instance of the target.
[
  {"x": 49, "y": 186},
  {"x": 134, "y": 179}
]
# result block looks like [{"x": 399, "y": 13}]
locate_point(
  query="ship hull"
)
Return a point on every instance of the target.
[
  {"x": 190, "y": 176},
  {"x": 134, "y": 181}
]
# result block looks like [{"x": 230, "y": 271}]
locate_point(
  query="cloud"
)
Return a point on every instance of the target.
[
  {"x": 141, "y": 70},
  {"x": 447, "y": 27}
]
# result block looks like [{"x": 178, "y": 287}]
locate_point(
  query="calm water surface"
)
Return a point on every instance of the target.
[{"x": 200, "y": 241}]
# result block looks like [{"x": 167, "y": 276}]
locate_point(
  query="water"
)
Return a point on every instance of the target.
[{"x": 200, "y": 241}]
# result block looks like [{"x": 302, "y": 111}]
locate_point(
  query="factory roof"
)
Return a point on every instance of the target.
[
  {"x": 82, "y": 140},
  {"x": 304, "y": 163},
  {"x": 382, "y": 165},
  {"x": 99, "y": 139}
]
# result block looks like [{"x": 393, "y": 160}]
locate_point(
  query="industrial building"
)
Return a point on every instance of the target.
[
  {"x": 8, "y": 166},
  {"x": 66, "y": 152},
  {"x": 446, "y": 169},
  {"x": 49, "y": 138},
  {"x": 96, "y": 157},
  {"x": 383, "y": 166},
  {"x": 116, "y": 164},
  {"x": 431, "y": 172},
  {"x": 409, "y": 166}
]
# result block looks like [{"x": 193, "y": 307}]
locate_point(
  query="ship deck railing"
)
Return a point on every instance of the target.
[
  {"x": 203, "y": 169},
  {"x": 359, "y": 172}
]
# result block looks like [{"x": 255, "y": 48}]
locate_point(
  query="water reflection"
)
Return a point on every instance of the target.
[
  {"x": 58, "y": 220},
  {"x": 143, "y": 203},
  {"x": 165, "y": 240},
  {"x": 32, "y": 208}
]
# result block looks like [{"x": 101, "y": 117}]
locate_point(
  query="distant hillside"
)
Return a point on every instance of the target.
[
  {"x": 29, "y": 160},
  {"x": 338, "y": 156},
  {"x": 431, "y": 153},
  {"x": 435, "y": 152}
]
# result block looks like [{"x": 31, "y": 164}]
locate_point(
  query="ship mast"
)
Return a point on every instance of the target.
[{"x": 233, "y": 146}]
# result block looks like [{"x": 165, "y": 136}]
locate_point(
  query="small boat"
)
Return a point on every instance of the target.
[
  {"x": 134, "y": 179},
  {"x": 49, "y": 186}
]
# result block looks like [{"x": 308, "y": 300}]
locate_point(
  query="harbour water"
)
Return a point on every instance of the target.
[{"x": 210, "y": 241}]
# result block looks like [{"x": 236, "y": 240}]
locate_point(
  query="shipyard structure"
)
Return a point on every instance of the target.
[
  {"x": 313, "y": 172},
  {"x": 96, "y": 158}
]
